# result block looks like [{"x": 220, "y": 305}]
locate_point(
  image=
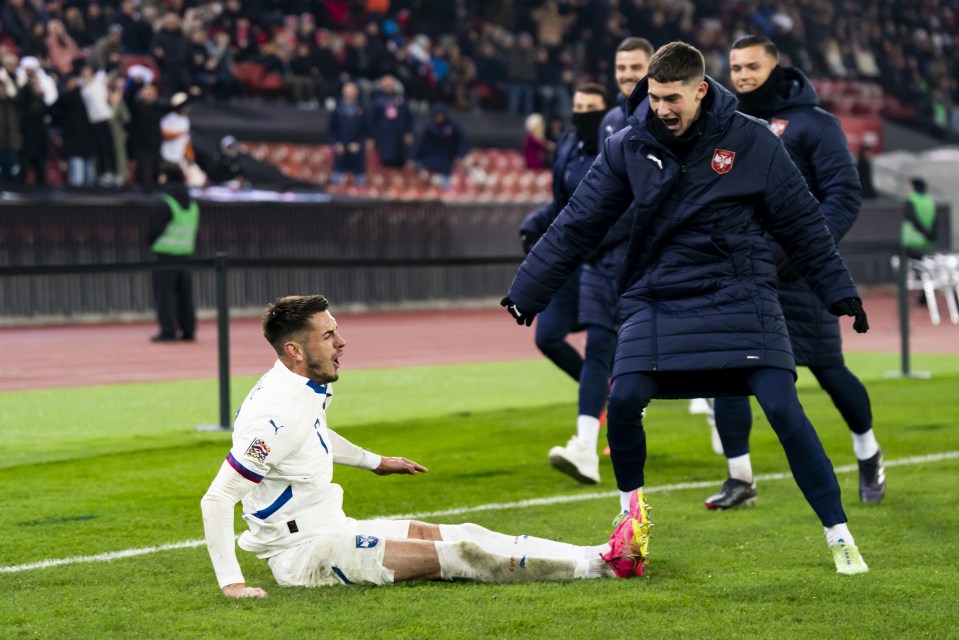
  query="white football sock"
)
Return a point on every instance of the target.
[
  {"x": 741, "y": 468},
  {"x": 838, "y": 532},
  {"x": 624, "y": 497},
  {"x": 466, "y": 560},
  {"x": 512, "y": 545},
  {"x": 865, "y": 445},
  {"x": 587, "y": 428}
]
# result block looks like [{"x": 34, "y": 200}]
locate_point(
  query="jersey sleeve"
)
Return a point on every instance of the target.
[
  {"x": 217, "y": 505},
  {"x": 261, "y": 442}
]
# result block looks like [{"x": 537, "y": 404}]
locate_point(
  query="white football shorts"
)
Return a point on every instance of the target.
[{"x": 353, "y": 555}]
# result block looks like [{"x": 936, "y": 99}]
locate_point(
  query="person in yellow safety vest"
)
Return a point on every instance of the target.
[
  {"x": 174, "y": 222},
  {"x": 919, "y": 221}
]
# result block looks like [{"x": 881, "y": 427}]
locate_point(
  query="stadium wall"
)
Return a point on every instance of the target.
[{"x": 426, "y": 243}]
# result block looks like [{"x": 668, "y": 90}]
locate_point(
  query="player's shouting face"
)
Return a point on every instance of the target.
[{"x": 320, "y": 350}]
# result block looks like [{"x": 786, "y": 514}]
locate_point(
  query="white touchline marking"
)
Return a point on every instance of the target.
[{"x": 495, "y": 506}]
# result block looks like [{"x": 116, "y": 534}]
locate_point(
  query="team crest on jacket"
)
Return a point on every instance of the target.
[
  {"x": 778, "y": 126},
  {"x": 723, "y": 160}
]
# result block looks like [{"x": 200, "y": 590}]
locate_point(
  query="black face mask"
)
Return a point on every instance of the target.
[
  {"x": 587, "y": 129},
  {"x": 760, "y": 101}
]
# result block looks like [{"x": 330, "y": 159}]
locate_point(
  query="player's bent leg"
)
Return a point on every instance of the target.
[
  {"x": 628, "y": 397},
  {"x": 775, "y": 390},
  {"x": 851, "y": 398}
]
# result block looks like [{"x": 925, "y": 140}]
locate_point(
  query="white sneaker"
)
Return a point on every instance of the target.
[{"x": 576, "y": 460}]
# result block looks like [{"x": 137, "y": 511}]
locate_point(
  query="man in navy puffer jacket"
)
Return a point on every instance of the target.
[
  {"x": 699, "y": 312},
  {"x": 788, "y": 101},
  {"x": 565, "y": 313}
]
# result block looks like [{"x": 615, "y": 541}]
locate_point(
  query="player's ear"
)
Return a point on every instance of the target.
[{"x": 293, "y": 351}]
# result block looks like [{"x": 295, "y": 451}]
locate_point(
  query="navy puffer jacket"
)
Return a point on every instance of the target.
[
  {"x": 698, "y": 290},
  {"x": 817, "y": 144}
]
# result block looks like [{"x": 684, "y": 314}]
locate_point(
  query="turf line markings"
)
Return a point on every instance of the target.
[{"x": 496, "y": 506}]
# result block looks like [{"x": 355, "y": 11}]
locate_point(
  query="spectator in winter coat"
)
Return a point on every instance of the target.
[
  {"x": 699, "y": 312},
  {"x": 392, "y": 124},
  {"x": 61, "y": 48},
  {"x": 786, "y": 99},
  {"x": 441, "y": 143},
  {"x": 11, "y": 134},
  {"x": 146, "y": 135},
  {"x": 79, "y": 141},
  {"x": 349, "y": 131},
  {"x": 107, "y": 51},
  {"x": 34, "y": 108},
  {"x": 95, "y": 89}
]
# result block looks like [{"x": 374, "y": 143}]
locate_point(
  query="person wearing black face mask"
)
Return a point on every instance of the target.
[
  {"x": 786, "y": 99},
  {"x": 587, "y": 300}
]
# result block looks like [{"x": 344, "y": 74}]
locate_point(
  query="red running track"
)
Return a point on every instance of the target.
[{"x": 82, "y": 355}]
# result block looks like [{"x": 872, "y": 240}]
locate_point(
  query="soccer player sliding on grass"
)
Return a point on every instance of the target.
[
  {"x": 698, "y": 308},
  {"x": 281, "y": 468}
]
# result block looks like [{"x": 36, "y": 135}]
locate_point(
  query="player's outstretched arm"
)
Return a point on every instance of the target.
[
  {"x": 399, "y": 465},
  {"x": 240, "y": 590}
]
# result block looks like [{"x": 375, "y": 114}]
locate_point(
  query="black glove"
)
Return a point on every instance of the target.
[
  {"x": 519, "y": 316},
  {"x": 852, "y": 307},
  {"x": 528, "y": 240}
]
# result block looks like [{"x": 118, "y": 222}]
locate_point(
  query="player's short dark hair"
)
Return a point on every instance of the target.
[
  {"x": 288, "y": 317},
  {"x": 595, "y": 89},
  {"x": 633, "y": 43},
  {"x": 757, "y": 41},
  {"x": 918, "y": 185},
  {"x": 677, "y": 62}
]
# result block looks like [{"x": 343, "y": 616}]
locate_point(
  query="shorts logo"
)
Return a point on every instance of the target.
[
  {"x": 778, "y": 126},
  {"x": 723, "y": 160},
  {"x": 258, "y": 450},
  {"x": 366, "y": 542}
]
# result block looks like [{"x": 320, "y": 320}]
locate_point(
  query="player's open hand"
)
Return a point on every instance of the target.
[
  {"x": 398, "y": 465},
  {"x": 240, "y": 590}
]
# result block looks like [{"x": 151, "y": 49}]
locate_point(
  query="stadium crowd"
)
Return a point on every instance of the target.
[{"x": 519, "y": 56}]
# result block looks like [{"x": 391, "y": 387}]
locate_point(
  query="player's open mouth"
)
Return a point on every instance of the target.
[
  {"x": 336, "y": 362},
  {"x": 670, "y": 123}
]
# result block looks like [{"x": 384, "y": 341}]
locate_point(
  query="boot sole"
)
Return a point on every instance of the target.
[{"x": 565, "y": 466}]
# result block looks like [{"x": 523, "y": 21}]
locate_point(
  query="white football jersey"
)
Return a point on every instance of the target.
[{"x": 281, "y": 442}]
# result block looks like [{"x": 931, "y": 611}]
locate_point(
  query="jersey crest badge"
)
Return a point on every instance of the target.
[
  {"x": 723, "y": 160},
  {"x": 778, "y": 126},
  {"x": 366, "y": 542},
  {"x": 258, "y": 450}
]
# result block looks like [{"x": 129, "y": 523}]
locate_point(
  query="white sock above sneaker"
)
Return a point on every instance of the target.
[
  {"x": 624, "y": 497},
  {"x": 864, "y": 445},
  {"x": 741, "y": 468},
  {"x": 587, "y": 428},
  {"x": 838, "y": 533}
]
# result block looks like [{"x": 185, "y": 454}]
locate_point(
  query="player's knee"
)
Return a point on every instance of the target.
[
  {"x": 625, "y": 408},
  {"x": 463, "y": 531}
]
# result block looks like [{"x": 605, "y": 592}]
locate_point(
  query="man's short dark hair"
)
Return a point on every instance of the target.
[
  {"x": 633, "y": 43},
  {"x": 918, "y": 185},
  {"x": 172, "y": 172},
  {"x": 758, "y": 41},
  {"x": 677, "y": 62},
  {"x": 288, "y": 318},
  {"x": 593, "y": 88}
]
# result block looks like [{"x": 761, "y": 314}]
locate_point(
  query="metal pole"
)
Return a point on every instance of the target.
[
  {"x": 223, "y": 338},
  {"x": 904, "y": 309}
]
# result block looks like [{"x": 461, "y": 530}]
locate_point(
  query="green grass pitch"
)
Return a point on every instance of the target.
[{"x": 94, "y": 470}]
